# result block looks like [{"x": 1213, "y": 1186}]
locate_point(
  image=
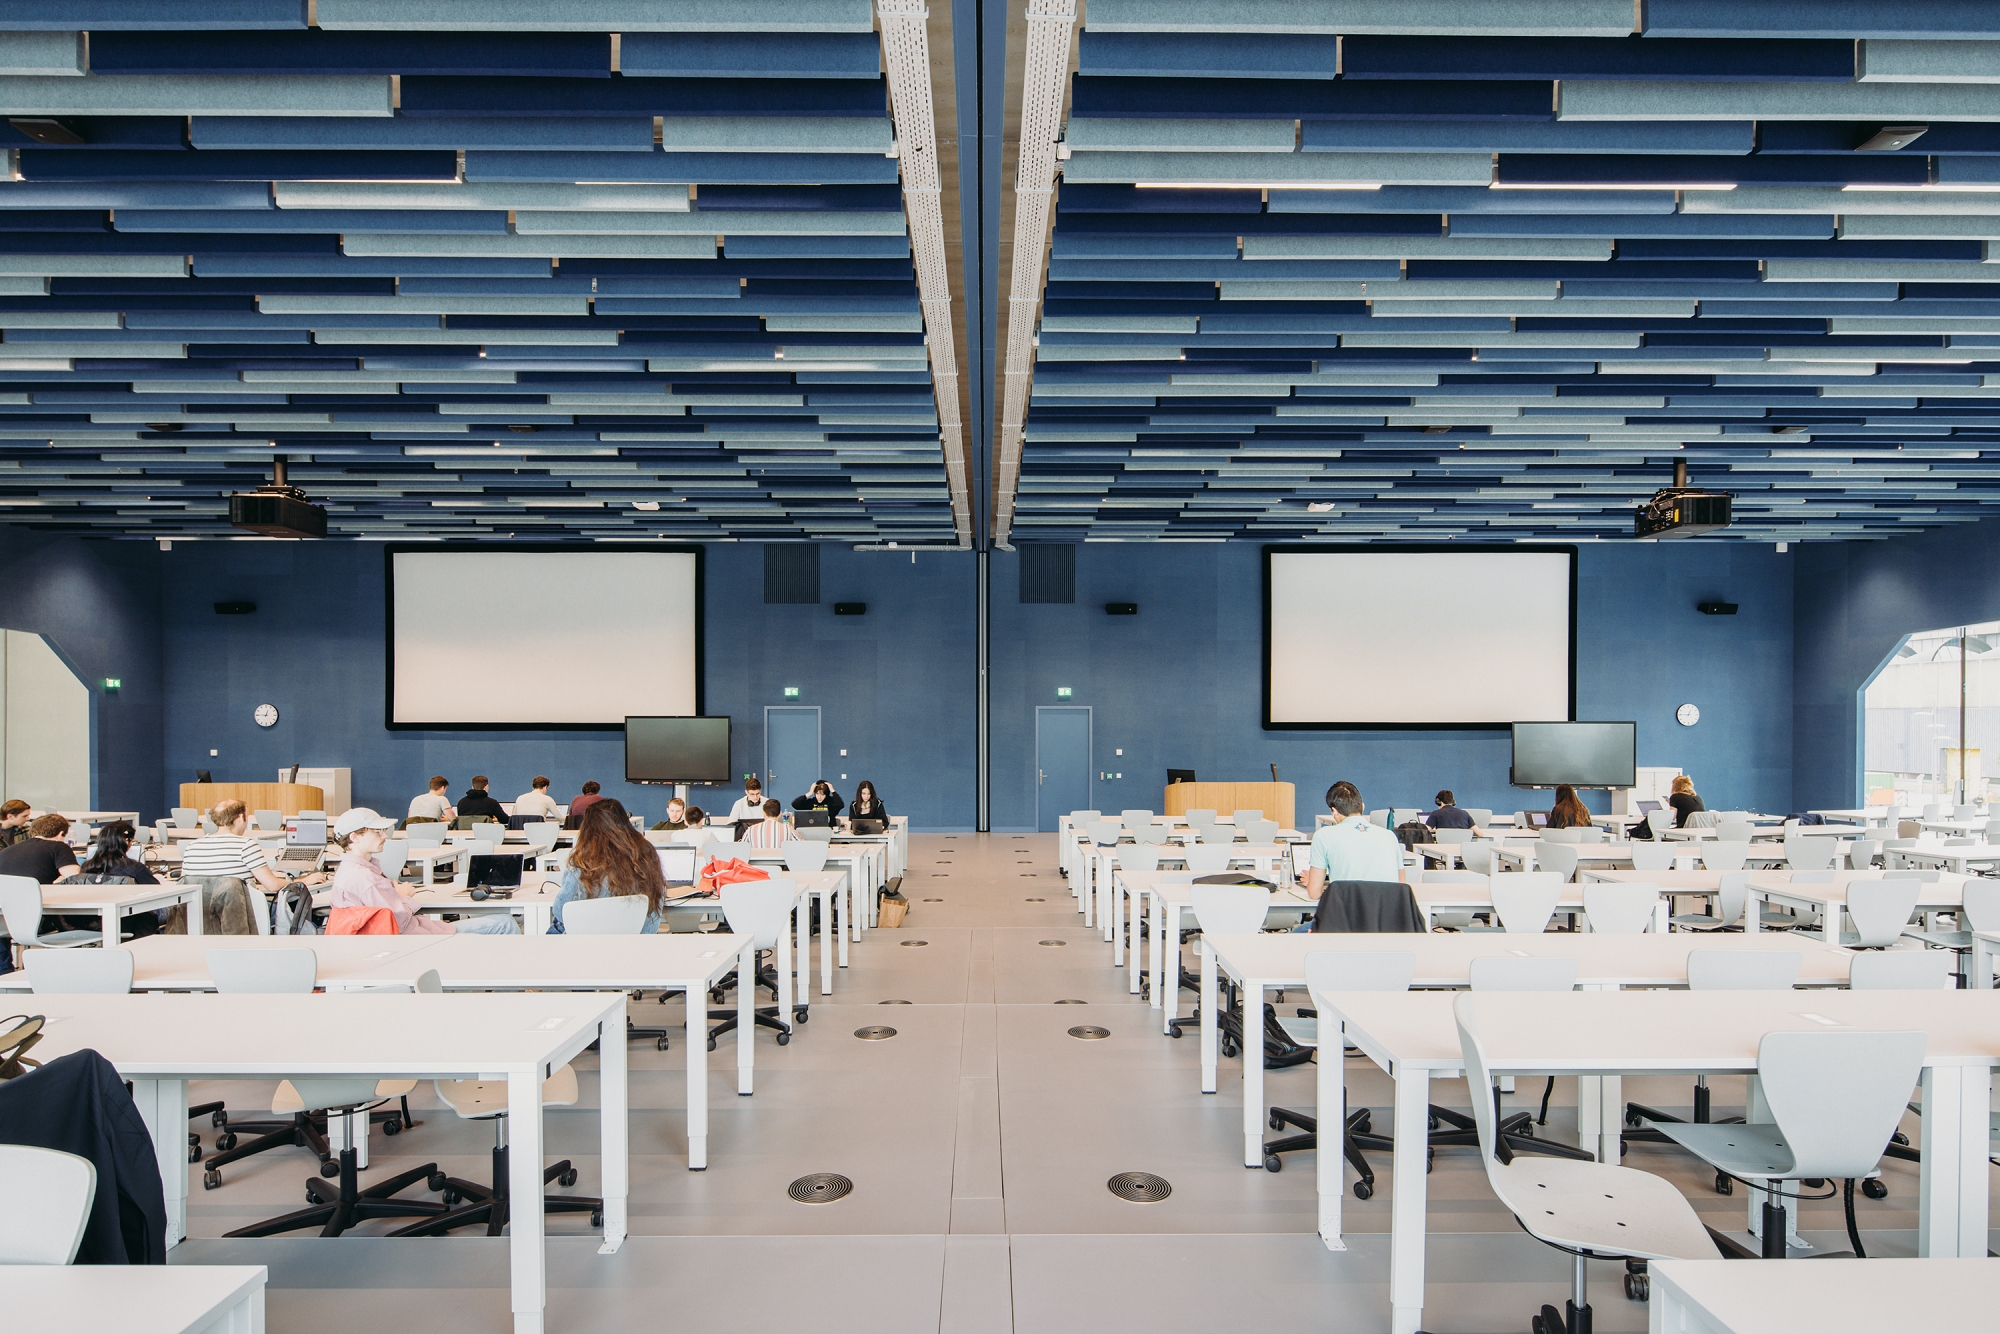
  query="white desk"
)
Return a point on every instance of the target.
[
  {"x": 180, "y": 963},
  {"x": 1268, "y": 860},
  {"x": 429, "y": 858},
  {"x": 137, "y": 1299},
  {"x": 1958, "y": 860},
  {"x": 1867, "y": 815},
  {"x": 1413, "y": 1036},
  {"x": 1985, "y": 945},
  {"x": 1826, "y": 1296},
  {"x": 1168, "y": 900},
  {"x": 533, "y": 904},
  {"x": 852, "y": 864},
  {"x": 1828, "y": 898},
  {"x": 159, "y": 1042},
  {"x": 1587, "y": 854},
  {"x": 110, "y": 903},
  {"x": 1277, "y": 962},
  {"x": 1434, "y": 897},
  {"x": 1956, "y": 828}
]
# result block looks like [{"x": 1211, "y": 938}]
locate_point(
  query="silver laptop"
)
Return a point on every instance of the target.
[{"x": 677, "y": 864}]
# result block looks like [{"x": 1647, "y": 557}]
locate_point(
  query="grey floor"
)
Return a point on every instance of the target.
[{"x": 979, "y": 1140}]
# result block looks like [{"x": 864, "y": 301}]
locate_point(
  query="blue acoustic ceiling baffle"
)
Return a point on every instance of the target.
[
  {"x": 606, "y": 268},
  {"x": 1389, "y": 271}
]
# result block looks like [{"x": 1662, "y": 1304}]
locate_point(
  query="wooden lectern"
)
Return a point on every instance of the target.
[
  {"x": 1274, "y": 799},
  {"x": 284, "y": 798}
]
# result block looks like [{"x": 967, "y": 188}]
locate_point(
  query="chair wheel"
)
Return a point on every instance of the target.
[
  {"x": 800, "y": 1014},
  {"x": 1275, "y": 1121},
  {"x": 1363, "y": 1190},
  {"x": 211, "y": 1179},
  {"x": 226, "y": 1140},
  {"x": 1273, "y": 1163},
  {"x": 711, "y": 1044},
  {"x": 436, "y": 1181},
  {"x": 1173, "y": 1030},
  {"x": 451, "y": 1198},
  {"x": 1525, "y": 1131},
  {"x": 1229, "y": 1050},
  {"x": 567, "y": 1179},
  {"x": 1875, "y": 1190},
  {"x": 393, "y": 1127},
  {"x": 1366, "y": 1125},
  {"x": 1723, "y": 1185},
  {"x": 1638, "y": 1287},
  {"x": 662, "y": 1044},
  {"x": 219, "y": 1119},
  {"x": 784, "y": 1039},
  {"x": 194, "y": 1153},
  {"x": 1632, "y": 1119},
  {"x": 597, "y": 1220},
  {"x": 329, "y": 1168}
]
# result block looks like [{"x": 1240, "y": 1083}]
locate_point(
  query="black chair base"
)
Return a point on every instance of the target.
[
  {"x": 490, "y": 1204},
  {"x": 1353, "y": 1142},
  {"x": 1453, "y": 1129},
  {"x": 337, "y": 1208},
  {"x": 306, "y": 1130},
  {"x": 765, "y": 1016}
]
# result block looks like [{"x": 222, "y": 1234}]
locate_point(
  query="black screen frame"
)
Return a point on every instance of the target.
[
  {"x": 729, "y": 745},
  {"x": 392, "y": 549},
  {"x": 1397, "y": 548},
  {"x": 1632, "y": 724}
]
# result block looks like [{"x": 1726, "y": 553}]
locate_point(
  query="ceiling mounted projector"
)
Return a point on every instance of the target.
[
  {"x": 1681, "y": 510},
  {"x": 277, "y": 509}
]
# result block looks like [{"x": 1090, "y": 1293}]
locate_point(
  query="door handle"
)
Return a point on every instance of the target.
[{"x": 1040, "y": 778}]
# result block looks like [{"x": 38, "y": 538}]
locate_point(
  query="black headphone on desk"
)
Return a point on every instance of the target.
[{"x": 481, "y": 895}]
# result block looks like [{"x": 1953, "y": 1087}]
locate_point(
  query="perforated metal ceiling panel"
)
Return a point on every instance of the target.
[
  {"x": 1413, "y": 270},
  {"x": 605, "y": 268}
]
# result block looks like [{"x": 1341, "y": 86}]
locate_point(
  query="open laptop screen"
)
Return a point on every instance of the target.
[
  {"x": 1648, "y": 807},
  {"x": 677, "y": 865},
  {"x": 494, "y": 870},
  {"x": 301, "y": 833}
]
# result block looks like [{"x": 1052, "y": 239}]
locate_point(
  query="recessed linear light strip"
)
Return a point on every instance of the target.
[
  {"x": 907, "y": 54},
  {"x": 1044, "y": 76}
]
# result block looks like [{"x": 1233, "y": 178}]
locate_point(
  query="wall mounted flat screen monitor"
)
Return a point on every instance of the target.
[
  {"x": 1342, "y": 648},
  {"x": 1580, "y": 754},
  {"x": 677, "y": 750},
  {"x": 529, "y": 636}
]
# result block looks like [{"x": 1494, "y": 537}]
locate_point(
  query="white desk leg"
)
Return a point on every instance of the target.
[
  {"x": 802, "y": 959},
  {"x": 1982, "y": 965},
  {"x": 1330, "y": 1081},
  {"x": 1208, "y": 1024},
  {"x": 783, "y": 963},
  {"x": 697, "y": 1076},
  {"x": 1157, "y": 957},
  {"x": 1610, "y": 1119},
  {"x": 614, "y": 1128},
  {"x": 108, "y": 920},
  {"x": 1168, "y": 979},
  {"x": 1829, "y": 922},
  {"x": 1753, "y": 912},
  {"x": 843, "y": 908},
  {"x": 857, "y": 910},
  {"x": 524, "y": 1184},
  {"x": 1662, "y": 913},
  {"x": 1134, "y": 915},
  {"x": 1952, "y": 1215},
  {"x": 1407, "y": 1199},
  {"x": 162, "y": 1105},
  {"x": 746, "y": 1015},
  {"x": 1253, "y": 1069},
  {"x": 197, "y": 914},
  {"x": 1114, "y": 916}
]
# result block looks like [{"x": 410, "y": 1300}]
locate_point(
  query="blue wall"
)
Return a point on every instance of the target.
[
  {"x": 98, "y": 603},
  {"x": 1179, "y": 685},
  {"x": 896, "y": 687},
  {"x": 1855, "y": 600}
]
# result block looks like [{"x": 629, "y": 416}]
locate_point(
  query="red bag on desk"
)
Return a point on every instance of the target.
[
  {"x": 734, "y": 871},
  {"x": 361, "y": 922}
]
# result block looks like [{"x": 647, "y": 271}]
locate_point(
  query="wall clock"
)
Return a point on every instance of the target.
[
  {"x": 267, "y": 715},
  {"x": 1687, "y": 715}
]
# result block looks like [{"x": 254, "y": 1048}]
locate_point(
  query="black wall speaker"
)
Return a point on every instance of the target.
[
  {"x": 850, "y": 609},
  {"x": 234, "y": 608},
  {"x": 1716, "y": 608},
  {"x": 1121, "y": 609}
]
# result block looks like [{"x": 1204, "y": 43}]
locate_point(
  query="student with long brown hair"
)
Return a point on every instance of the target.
[
  {"x": 611, "y": 859},
  {"x": 1569, "y": 813}
]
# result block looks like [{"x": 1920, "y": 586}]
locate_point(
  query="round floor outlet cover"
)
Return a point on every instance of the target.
[
  {"x": 1054, "y": 942},
  {"x": 874, "y": 1032},
  {"x": 1072, "y": 1002},
  {"x": 908, "y": 943},
  {"x": 895, "y": 1002},
  {"x": 1089, "y": 1032},
  {"x": 933, "y": 900},
  {"x": 820, "y": 1188},
  {"x": 1036, "y": 900},
  {"x": 1140, "y": 1187}
]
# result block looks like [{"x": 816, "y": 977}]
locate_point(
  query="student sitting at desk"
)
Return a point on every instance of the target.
[
  {"x": 611, "y": 860},
  {"x": 1568, "y": 812},
  {"x": 867, "y": 806},
  {"x": 749, "y": 806},
  {"x": 45, "y": 855},
  {"x": 820, "y": 797},
  {"x": 358, "y": 882},
  {"x": 769, "y": 831},
  {"x": 676, "y": 816},
  {"x": 1684, "y": 800},
  {"x": 478, "y": 801},
  {"x": 584, "y": 800},
  {"x": 1353, "y": 847},
  {"x": 537, "y": 801},
  {"x": 433, "y": 805},
  {"x": 1448, "y": 815},
  {"x": 227, "y": 855},
  {"x": 13, "y": 822},
  {"x": 112, "y": 858},
  {"x": 695, "y": 826}
]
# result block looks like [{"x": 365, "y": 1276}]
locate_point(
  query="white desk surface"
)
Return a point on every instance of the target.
[
  {"x": 500, "y": 963},
  {"x": 1825, "y": 1296},
  {"x": 1944, "y": 892},
  {"x": 137, "y": 1299},
  {"x": 109, "y": 898},
  {"x": 180, "y": 963},
  {"x": 1672, "y": 882},
  {"x": 1443, "y": 959},
  {"x": 1935, "y": 849}
]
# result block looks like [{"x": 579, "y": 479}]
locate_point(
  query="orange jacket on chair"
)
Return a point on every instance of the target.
[{"x": 361, "y": 922}]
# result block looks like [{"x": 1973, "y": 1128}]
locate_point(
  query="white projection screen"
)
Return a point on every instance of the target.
[
  {"x": 542, "y": 637},
  {"x": 1418, "y": 636}
]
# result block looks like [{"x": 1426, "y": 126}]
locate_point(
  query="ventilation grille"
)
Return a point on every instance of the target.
[
  {"x": 1051, "y": 24},
  {"x": 791, "y": 572},
  {"x": 1048, "y": 572},
  {"x": 906, "y": 52}
]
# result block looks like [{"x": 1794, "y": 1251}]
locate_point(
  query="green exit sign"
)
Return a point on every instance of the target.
[
  {"x": 791, "y": 692},
  {"x": 1062, "y": 692},
  {"x": 112, "y": 683}
]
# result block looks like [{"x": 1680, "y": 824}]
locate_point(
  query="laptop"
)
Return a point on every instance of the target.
[
  {"x": 811, "y": 820},
  {"x": 494, "y": 870},
  {"x": 1538, "y": 819},
  {"x": 1648, "y": 807},
  {"x": 677, "y": 864},
  {"x": 305, "y": 840},
  {"x": 867, "y": 826}
]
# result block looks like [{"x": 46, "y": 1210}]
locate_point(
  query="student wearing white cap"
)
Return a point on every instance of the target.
[{"x": 358, "y": 882}]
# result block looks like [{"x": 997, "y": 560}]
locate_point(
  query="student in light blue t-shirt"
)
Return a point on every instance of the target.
[{"x": 1353, "y": 847}]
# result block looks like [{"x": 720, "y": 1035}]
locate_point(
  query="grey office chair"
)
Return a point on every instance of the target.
[
  {"x": 1341, "y": 971},
  {"x": 1979, "y": 910},
  {"x": 1589, "y": 1210},
  {"x": 622, "y": 915},
  {"x": 1880, "y": 910},
  {"x": 1620, "y": 909},
  {"x": 50, "y": 1198},
  {"x": 1508, "y": 972},
  {"x": 79, "y": 972}
]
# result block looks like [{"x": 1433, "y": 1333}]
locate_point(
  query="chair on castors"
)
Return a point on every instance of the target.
[
  {"x": 1732, "y": 896},
  {"x": 50, "y": 1198},
  {"x": 1620, "y": 909},
  {"x": 1905, "y": 970},
  {"x": 1979, "y": 911},
  {"x": 1715, "y": 970},
  {"x": 288, "y": 972},
  {"x": 1225, "y": 910},
  {"x": 1656, "y": 857},
  {"x": 467, "y": 1203},
  {"x": 622, "y": 915},
  {"x": 1207, "y": 858},
  {"x": 1718, "y": 855},
  {"x": 79, "y": 972},
  {"x": 1588, "y": 1210},
  {"x": 762, "y": 910},
  {"x": 1516, "y": 1131},
  {"x": 1524, "y": 901},
  {"x": 1880, "y": 911},
  {"x": 1834, "y": 1099}
]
